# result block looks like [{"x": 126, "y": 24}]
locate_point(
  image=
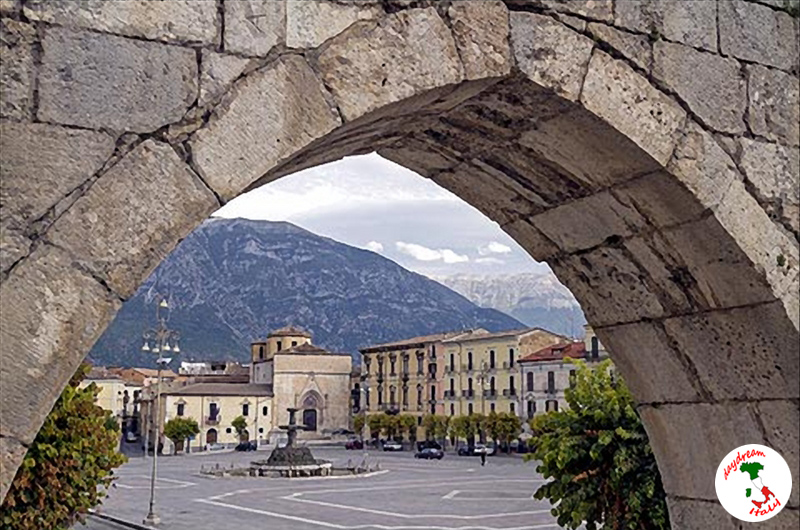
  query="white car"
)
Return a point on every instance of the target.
[
  {"x": 216, "y": 447},
  {"x": 391, "y": 445}
]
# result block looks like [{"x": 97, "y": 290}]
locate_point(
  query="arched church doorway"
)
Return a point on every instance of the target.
[
  {"x": 310, "y": 419},
  {"x": 211, "y": 436}
]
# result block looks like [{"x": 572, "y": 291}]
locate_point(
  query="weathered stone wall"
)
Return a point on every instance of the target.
[{"x": 647, "y": 150}]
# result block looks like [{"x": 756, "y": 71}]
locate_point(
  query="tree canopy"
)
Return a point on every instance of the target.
[
  {"x": 179, "y": 429},
  {"x": 68, "y": 467},
  {"x": 598, "y": 457},
  {"x": 239, "y": 423}
]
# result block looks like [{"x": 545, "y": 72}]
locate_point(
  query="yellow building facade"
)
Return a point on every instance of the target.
[{"x": 481, "y": 372}]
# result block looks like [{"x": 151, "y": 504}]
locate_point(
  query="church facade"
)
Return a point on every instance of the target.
[{"x": 286, "y": 370}]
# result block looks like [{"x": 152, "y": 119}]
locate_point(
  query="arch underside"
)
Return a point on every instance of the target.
[{"x": 623, "y": 188}]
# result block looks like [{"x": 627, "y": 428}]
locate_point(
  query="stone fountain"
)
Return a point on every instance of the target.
[{"x": 291, "y": 460}]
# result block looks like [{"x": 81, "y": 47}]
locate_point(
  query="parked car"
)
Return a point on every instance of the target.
[
  {"x": 342, "y": 431},
  {"x": 429, "y": 443},
  {"x": 391, "y": 445},
  {"x": 246, "y": 446},
  {"x": 475, "y": 450},
  {"x": 216, "y": 447},
  {"x": 354, "y": 443},
  {"x": 429, "y": 453}
]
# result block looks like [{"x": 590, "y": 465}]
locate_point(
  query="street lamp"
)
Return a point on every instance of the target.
[
  {"x": 483, "y": 376},
  {"x": 158, "y": 340}
]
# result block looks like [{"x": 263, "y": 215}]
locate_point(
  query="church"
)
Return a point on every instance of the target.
[{"x": 286, "y": 370}]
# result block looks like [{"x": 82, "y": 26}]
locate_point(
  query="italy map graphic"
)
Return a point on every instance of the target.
[{"x": 753, "y": 469}]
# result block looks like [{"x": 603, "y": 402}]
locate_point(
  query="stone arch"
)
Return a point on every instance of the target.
[{"x": 656, "y": 180}]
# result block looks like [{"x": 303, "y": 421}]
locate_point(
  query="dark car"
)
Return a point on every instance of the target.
[
  {"x": 354, "y": 443},
  {"x": 342, "y": 431},
  {"x": 246, "y": 446},
  {"x": 429, "y": 453},
  {"x": 429, "y": 443}
]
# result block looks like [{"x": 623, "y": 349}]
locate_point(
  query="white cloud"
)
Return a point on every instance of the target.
[
  {"x": 490, "y": 260},
  {"x": 494, "y": 248},
  {"x": 374, "y": 246},
  {"x": 428, "y": 254}
]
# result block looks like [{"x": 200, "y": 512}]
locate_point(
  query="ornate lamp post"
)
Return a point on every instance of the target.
[{"x": 158, "y": 340}]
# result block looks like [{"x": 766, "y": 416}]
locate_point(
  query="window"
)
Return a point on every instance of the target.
[
  {"x": 491, "y": 359},
  {"x": 228, "y": 430},
  {"x": 551, "y": 404},
  {"x": 491, "y": 407},
  {"x": 392, "y": 400},
  {"x": 213, "y": 410},
  {"x": 511, "y": 385},
  {"x": 264, "y": 410},
  {"x": 380, "y": 396},
  {"x": 405, "y": 395},
  {"x": 433, "y": 392},
  {"x": 280, "y": 347},
  {"x": 551, "y": 382},
  {"x": 419, "y": 421},
  {"x": 261, "y": 352},
  {"x": 491, "y": 385},
  {"x": 469, "y": 408},
  {"x": 419, "y": 395},
  {"x": 452, "y": 362},
  {"x": 261, "y": 430},
  {"x": 531, "y": 409},
  {"x": 469, "y": 385},
  {"x": 511, "y": 357},
  {"x": 433, "y": 408},
  {"x": 393, "y": 361},
  {"x": 180, "y": 409},
  {"x": 469, "y": 360},
  {"x": 572, "y": 377},
  {"x": 245, "y": 409},
  {"x": 511, "y": 407},
  {"x": 405, "y": 364},
  {"x": 452, "y": 386},
  {"x": 294, "y": 343},
  {"x": 529, "y": 381},
  {"x": 595, "y": 347},
  {"x": 452, "y": 409},
  {"x": 421, "y": 364}
]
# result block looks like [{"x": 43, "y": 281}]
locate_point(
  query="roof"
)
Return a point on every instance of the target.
[
  {"x": 307, "y": 349},
  {"x": 153, "y": 372},
  {"x": 101, "y": 372},
  {"x": 482, "y": 334},
  {"x": 290, "y": 331},
  {"x": 557, "y": 352},
  {"x": 413, "y": 341},
  {"x": 222, "y": 389}
]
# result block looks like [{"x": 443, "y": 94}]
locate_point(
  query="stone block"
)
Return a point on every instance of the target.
[
  {"x": 701, "y": 165},
  {"x": 781, "y": 420},
  {"x": 107, "y": 82},
  {"x": 42, "y": 164},
  {"x": 690, "y": 440},
  {"x": 250, "y": 134},
  {"x": 309, "y": 24},
  {"x": 711, "y": 267},
  {"x": 626, "y": 100},
  {"x": 609, "y": 285},
  {"x": 185, "y": 21},
  {"x": 734, "y": 360},
  {"x": 550, "y": 53},
  {"x": 371, "y": 65},
  {"x": 690, "y": 23},
  {"x": 11, "y": 454},
  {"x": 217, "y": 72},
  {"x": 774, "y": 172},
  {"x": 692, "y": 513},
  {"x": 594, "y": 9},
  {"x": 772, "y": 251},
  {"x": 589, "y": 149},
  {"x": 712, "y": 86},
  {"x": 420, "y": 157},
  {"x": 481, "y": 34},
  {"x": 58, "y": 313},
  {"x": 16, "y": 69},
  {"x": 757, "y": 33},
  {"x": 254, "y": 27},
  {"x": 774, "y": 110},
  {"x": 133, "y": 216},
  {"x": 635, "y": 48},
  {"x": 587, "y": 222},
  {"x": 531, "y": 239},
  {"x": 9, "y": 7},
  {"x": 661, "y": 198},
  {"x": 659, "y": 376}
]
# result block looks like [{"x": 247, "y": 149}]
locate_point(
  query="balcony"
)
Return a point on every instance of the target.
[
  {"x": 467, "y": 368},
  {"x": 509, "y": 366},
  {"x": 213, "y": 420},
  {"x": 551, "y": 390},
  {"x": 468, "y": 393},
  {"x": 509, "y": 392},
  {"x": 450, "y": 369},
  {"x": 449, "y": 394},
  {"x": 491, "y": 394},
  {"x": 405, "y": 376}
]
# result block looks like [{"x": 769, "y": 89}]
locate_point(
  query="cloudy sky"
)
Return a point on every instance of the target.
[{"x": 370, "y": 202}]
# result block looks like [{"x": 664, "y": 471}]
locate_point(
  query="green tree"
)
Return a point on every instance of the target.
[
  {"x": 375, "y": 424},
  {"x": 507, "y": 427},
  {"x": 240, "y": 425},
  {"x": 598, "y": 457},
  {"x": 359, "y": 421},
  {"x": 179, "y": 429},
  {"x": 408, "y": 424},
  {"x": 68, "y": 467},
  {"x": 466, "y": 427}
]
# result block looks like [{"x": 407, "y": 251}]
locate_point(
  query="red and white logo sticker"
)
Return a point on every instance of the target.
[{"x": 753, "y": 483}]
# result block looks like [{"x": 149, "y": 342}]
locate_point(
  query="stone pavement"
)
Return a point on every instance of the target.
[{"x": 455, "y": 493}]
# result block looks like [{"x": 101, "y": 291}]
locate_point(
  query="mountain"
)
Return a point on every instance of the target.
[
  {"x": 535, "y": 299},
  {"x": 233, "y": 280}
]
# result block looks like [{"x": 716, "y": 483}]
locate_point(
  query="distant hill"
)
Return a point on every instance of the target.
[
  {"x": 535, "y": 299},
  {"x": 233, "y": 280}
]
